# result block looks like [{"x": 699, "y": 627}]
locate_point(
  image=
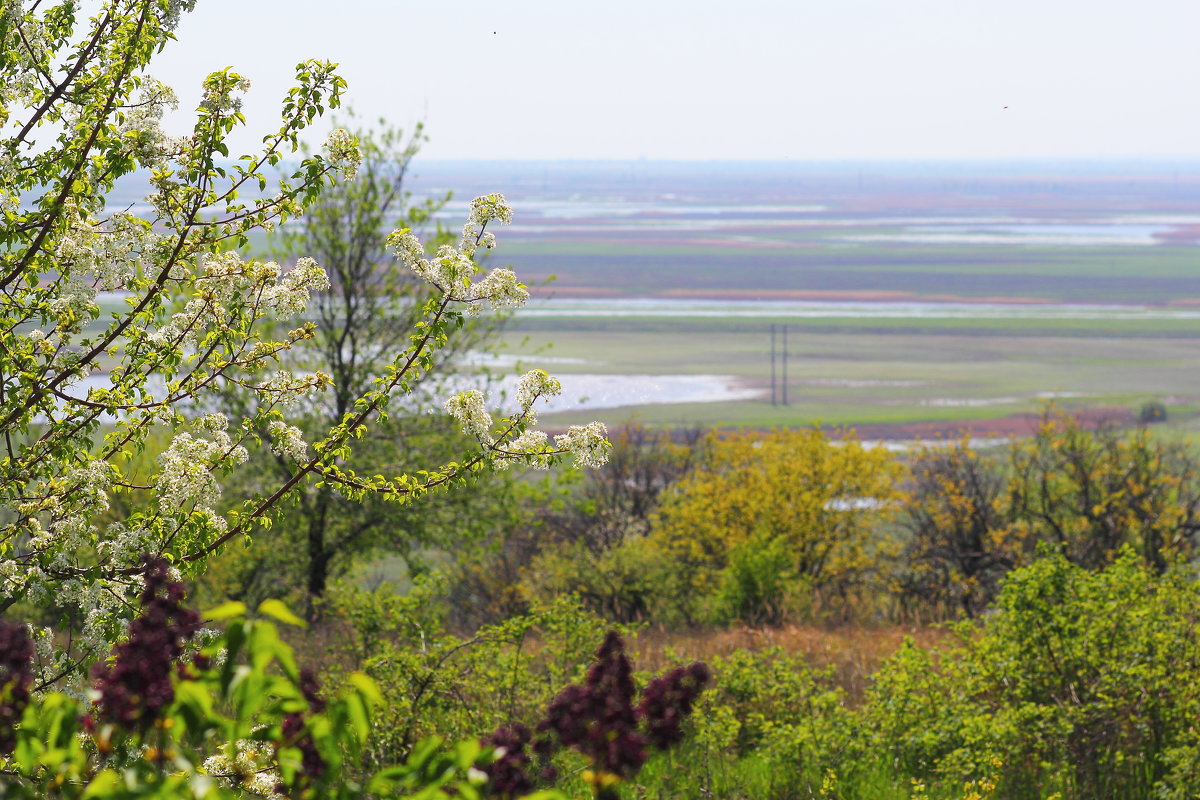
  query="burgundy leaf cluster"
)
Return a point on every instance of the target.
[
  {"x": 312, "y": 765},
  {"x": 600, "y": 720},
  {"x": 310, "y": 687},
  {"x": 668, "y": 699},
  {"x": 136, "y": 684},
  {"x": 311, "y": 762},
  {"x": 16, "y": 676},
  {"x": 508, "y": 774}
]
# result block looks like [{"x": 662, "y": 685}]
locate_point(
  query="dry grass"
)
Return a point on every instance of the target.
[{"x": 854, "y": 653}]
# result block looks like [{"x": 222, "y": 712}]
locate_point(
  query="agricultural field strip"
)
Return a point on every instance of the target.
[{"x": 851, "y": 377}]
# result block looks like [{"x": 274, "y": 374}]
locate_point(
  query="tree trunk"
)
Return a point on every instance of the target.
[{"x": 318, "y": 556}]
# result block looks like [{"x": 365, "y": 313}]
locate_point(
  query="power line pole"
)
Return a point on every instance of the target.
[
  {"x": 772, "y": 365},
  {"x": 783, "y": 386}
]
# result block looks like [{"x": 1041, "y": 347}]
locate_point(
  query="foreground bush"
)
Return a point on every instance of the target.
[
  {"x": 1080, "y": 684},
  {"x": 234, "y": 717}
]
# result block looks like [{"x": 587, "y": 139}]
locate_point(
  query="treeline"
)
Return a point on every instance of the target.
[{"x": 762, "y": 528}]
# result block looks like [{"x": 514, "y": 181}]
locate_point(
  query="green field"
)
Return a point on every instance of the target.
[{"x": 847, "y": 374}]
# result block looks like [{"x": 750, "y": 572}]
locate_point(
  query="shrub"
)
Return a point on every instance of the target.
[
  {"x": 1152, "y": 412},
  {"x": 1085, "y": 682}
]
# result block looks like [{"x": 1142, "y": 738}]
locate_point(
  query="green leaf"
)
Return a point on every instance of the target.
[
  {"x": 357, "y": 712},
  {"x": 226, "y": 611},
  {"x": 104, "y": 784},
  {"x": 277, "y": 610},
  {"x": 366, "y": 687}
]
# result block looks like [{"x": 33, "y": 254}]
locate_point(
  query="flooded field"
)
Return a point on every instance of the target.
[{"x": 914, "y": 293}]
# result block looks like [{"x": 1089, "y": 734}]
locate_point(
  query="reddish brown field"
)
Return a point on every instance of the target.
[
  {"x": 854, "y": 653},
  {"x": 1015, "y": 425}
]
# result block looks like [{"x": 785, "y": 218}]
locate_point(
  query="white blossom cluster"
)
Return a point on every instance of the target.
[
  {"x": 474, "y": 236},
  {"x": 534, "y": 384},
  {"x": 102, "y": 604},
  {"x": 188, "y": 464},
  {"x": 470, "y": 410},
  {"x": 246, "y": 769},
  {"x": 290, "y": 296},
  {"x": 73, "y": 305},
  {"x": 502, "y": 289},
  {"x": 453, "y": 269},
  {"x": 532, "y": 447},
  {"x": 218, "y": 97},
  {"x": 343, "y": 152},
  {"x": 10, "y": 197},
  {"x": 29, "y": 57},
  {"x": 485, "y": 209},
  {"x": 588, "y": 443},
  {"x": 12, "y": 578},
  {"x": 141, "y": 124},
  {"x": 110, "y": 251},
  {"x": 490, "y": 207},
  {"x": 89, "y": 484},
  {"x": 226, "y": 275},
  {"x": 58, "y": 512},
  {"x": 408, "y": 248},
  {"x": 287, "y": 441},
  {"x": 123, "y": 544},
  {"x": 173, "y": 10}
]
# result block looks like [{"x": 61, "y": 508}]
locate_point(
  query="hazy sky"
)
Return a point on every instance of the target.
[{"x": 668, "y": 79}]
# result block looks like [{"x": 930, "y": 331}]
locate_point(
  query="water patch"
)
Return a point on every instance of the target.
[
  {"x": 853, "y": 383},
  {"x": 514, "y": 360},
  {"x": 975, "y": 402},
  {"x": 1002, "y": 238},
  {"x": 910, "y": 445},
  {"x": 585, "y": 392}
]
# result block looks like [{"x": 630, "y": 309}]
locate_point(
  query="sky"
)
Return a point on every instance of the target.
[{"x": 697, "y": 80}]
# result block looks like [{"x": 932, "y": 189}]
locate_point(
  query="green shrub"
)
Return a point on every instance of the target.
[
  {"x": 1152, "y": 412},
  {"x": 461, "y": 687},
  {"x": 1081, "y": 682},
  {"x": 630, "y": 582},
  {"x": 759, "y": 584}
]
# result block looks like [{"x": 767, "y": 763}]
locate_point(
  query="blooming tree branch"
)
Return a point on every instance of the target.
[{"x": 118, "y": 329}]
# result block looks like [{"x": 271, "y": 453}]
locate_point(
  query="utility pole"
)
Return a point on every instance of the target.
[
  {"x": 783, "y": 383},
  {"x": 772, "y": 364}
]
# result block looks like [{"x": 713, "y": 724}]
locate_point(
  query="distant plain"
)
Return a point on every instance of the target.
[
  {"x": 918, "y": 296},
  {"x": 1085, "y": 277}
]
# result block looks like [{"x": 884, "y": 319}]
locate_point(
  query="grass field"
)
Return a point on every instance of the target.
[{"x": 884, "y": 375}]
